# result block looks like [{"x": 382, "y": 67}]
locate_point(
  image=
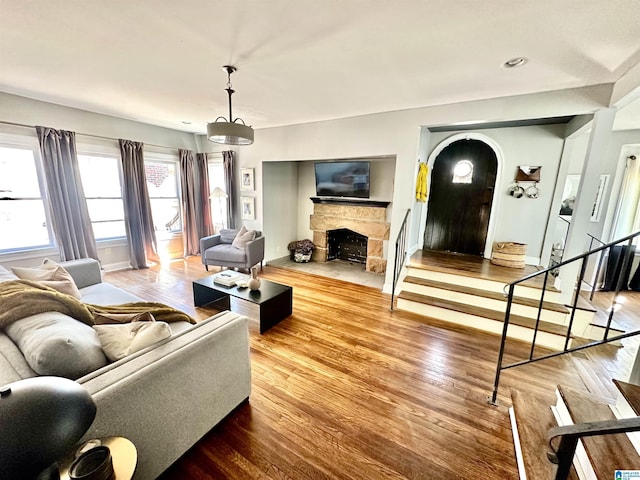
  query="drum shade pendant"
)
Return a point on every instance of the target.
[{"x": 230, "y": 132}]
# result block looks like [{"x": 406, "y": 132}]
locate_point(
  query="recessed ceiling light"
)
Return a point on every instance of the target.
[{"x": 515, "y": 62}]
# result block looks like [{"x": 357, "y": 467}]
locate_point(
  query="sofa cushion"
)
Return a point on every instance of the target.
[
  {"x": 120, "y": 340},
  {"x": 243, "y": 237},
  {"x": 226, "y": 253},
  {"x": 51, "y": 275},
  {"x": 13, "y": 366},
  {"x": 227, "y": 235},
  {"x": 107, "y": 294},
  {"x": 6, "y": 275},
  {"x": 55, "y": 344}
]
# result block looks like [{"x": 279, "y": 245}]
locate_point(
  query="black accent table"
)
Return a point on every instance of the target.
[{"x": 274, "y": 300}]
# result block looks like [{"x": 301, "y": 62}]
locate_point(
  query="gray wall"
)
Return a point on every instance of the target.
[
  {"x": 522, "y": 220},
  {"x": 21, "y": 110},
  {"x": 397, "y": 134},
  {"x": 281, "y": 205}
]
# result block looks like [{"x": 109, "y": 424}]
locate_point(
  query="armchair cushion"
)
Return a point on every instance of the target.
[{"x": 225, "y": 253}]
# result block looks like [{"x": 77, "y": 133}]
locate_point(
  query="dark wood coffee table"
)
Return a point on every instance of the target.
[{"x": 273, "y": 300}]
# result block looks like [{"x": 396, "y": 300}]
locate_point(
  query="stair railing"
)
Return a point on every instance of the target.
[
  {"x": 401, "y": 255},
  {"x": 569, "y": 435},
  {"x": 623, "y": 263}
]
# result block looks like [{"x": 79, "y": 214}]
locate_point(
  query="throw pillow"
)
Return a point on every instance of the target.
[
  {"x": 6, "y": 275},
  {"x": 227, "y": 235},
  {"x": 55, "y": 344},
  {"x": 120, "y": 340},
  {"x": 243, "y": 237},
  {"x": 51, "y": 275}
]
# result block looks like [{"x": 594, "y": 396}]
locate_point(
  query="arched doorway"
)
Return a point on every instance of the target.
[{"x": 460, "y": 199}]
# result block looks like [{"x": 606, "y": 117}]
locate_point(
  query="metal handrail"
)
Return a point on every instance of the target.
[
  {"x": 569, "y": 436},
  {"x": 625, "y": 259},
  {"x": 401, "y": 246}
]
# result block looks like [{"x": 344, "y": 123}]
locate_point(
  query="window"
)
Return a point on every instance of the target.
[
  {"x": 23, "y": 217},
  {"x": 218, "y": 202},
  {"x": 162, "y": 183},
  {"x": 463, "y": 172},
  {"x": 101, "y": 184}
]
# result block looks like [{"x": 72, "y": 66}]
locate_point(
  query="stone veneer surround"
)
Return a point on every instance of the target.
[{"x": 366, "y": 220}]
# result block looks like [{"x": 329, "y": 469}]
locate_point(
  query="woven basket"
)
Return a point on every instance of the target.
[{"x": 509, "y": 254}]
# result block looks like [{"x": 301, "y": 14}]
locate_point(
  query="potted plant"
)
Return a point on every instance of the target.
[{"x": 301, "y": 250}]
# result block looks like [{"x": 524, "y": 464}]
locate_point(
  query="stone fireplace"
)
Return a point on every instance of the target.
[{"x": 366, "y": 229}]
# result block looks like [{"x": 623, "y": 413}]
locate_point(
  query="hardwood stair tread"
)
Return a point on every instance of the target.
[
  {"x": 479, "y": 292},
  {"x": 533, "y": 283},
  {"x": 631, "y": 394},
  {"x": 606, "y": 453},
  {"x": 519, "y": 320},
  {"x": 534, "y": 419}
]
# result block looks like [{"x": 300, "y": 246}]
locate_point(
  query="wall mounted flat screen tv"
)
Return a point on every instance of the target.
[{"x": 342, "y": 179}]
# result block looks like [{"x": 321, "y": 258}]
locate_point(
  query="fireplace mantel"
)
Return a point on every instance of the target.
[{"x": 350, "y": 201}]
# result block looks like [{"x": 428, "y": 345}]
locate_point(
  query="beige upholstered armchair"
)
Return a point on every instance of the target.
[{"x": 220, "y": 250}]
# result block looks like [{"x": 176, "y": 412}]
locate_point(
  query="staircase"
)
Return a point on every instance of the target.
[
  {"x": 466, "y": 297},
  {"x": 596, "y": 457}
]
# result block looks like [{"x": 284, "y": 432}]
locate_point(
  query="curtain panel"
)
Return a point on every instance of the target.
[
  {"x": 189, "y": 199},
  {"x": 138, "y": 219},
  {"x": 70, "y": 215},
  {"x": 227, "y": 162},
  {"x": 203, "y": 205}
]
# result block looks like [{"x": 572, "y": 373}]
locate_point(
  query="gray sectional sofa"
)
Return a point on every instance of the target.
[{"x": 165, "y": 397}]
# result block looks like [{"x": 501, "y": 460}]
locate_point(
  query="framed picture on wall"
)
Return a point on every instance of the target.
[
  {"x": 248, "y": 205},
  {"x": 246, "y": 180},
  {"x": 597, "y": 204}
]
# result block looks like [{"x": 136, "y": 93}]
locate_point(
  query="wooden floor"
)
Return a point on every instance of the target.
[{"x": 345, "y": 389}]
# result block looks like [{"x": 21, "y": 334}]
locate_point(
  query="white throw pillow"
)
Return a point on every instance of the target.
[
  {"x": 6, "y": 275},
  {"x": 243, "y": 237},
  {"x": 120, "y": 340},
  {"x": 55, "y": 344},
  {"x": 51, "y": 275}
]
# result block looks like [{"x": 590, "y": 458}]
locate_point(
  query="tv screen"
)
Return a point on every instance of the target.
[{"x": 342, "y": 179}]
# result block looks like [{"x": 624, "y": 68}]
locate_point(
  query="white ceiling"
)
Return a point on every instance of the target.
[{"x": 159, "y": 61}]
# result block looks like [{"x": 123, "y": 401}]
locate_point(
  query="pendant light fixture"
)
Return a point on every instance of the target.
[{"x": 229, "y": 131}]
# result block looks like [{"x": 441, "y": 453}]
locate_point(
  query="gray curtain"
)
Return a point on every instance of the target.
[
  {"x": 189, "y": 199},
  {"x": 203, "y": 204},
  {"x": 137, "y": 206},
  {"x": 70, "y": 215},
  {"x": 227, "y": 162}
]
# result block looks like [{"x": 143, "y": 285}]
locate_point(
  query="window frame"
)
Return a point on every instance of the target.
[
  {"x": 92, "y": 150},
  {"x": 213, "y": 159},
  {"x": 157, "y": 157},
  {"x": 25, "y": 142}
]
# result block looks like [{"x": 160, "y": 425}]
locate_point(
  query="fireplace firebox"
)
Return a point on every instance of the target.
[{"x": 345, "y": 244}]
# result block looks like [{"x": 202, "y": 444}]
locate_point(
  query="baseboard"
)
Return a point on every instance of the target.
[{"x": 112, "y": 267}]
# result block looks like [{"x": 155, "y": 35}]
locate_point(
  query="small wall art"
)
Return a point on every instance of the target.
[
  {"x": 248, "y": 205},
  {"x": 247, "y": 179}
]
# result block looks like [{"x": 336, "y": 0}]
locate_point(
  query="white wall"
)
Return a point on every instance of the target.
[
  {"x": 280, "y": 206},
  {"x": 522, "y": 220},
  {"x": 398, "y": 134},
  {"x": 382, "y": 174}
]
